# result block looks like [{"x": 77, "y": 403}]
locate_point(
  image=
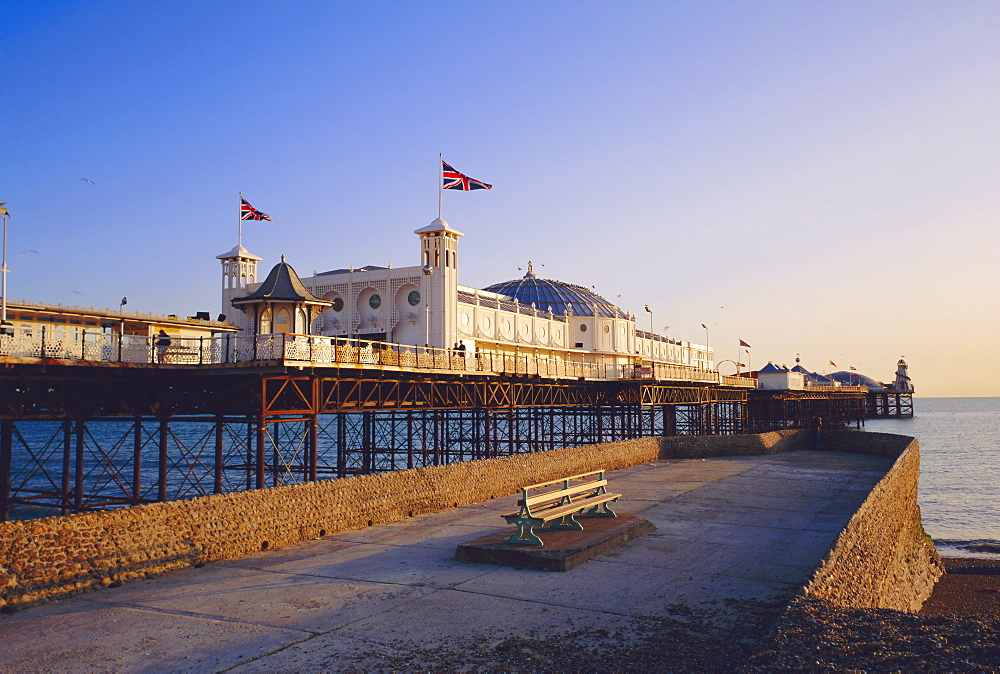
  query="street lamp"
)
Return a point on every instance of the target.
[
  {"x": 6, "y": 329},
  {"x": 428, "y": 270},
  {"x": 706, "y": 344}
]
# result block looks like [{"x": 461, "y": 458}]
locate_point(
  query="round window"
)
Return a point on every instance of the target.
[
  {"x": 413, "y": 298},
  {"x": 583, "y": 328},
  {"x": 607, "y": 329},
  {"x": 375, "y": 301},
  {"x": 338, "y": 304}
]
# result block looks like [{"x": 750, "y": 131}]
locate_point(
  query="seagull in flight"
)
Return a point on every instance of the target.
[
  {"x": 88, "y": 180},
  {"x": 28, "y": 252}
]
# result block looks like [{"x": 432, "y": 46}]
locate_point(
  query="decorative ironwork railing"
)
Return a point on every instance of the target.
[{"x": 229, "y": 348}]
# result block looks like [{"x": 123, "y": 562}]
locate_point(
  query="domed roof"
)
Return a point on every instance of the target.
[{"x": 556, "y": 296}]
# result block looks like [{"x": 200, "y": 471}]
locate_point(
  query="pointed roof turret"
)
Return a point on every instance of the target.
[{"x": 281, "y": 285}]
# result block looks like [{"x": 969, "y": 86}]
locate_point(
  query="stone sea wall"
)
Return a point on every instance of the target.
[
  {"x": 882, "y": 558},
  {"x": 57, "y": 556}
]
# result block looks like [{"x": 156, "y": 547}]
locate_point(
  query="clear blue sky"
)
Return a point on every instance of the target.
[{"x": 815, "y": 178}]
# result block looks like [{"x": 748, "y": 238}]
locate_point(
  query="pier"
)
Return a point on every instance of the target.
[{"x": 96, "y": 425}]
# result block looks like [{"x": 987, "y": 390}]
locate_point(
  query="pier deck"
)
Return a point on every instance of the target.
[{"x": 736, "y": 538}]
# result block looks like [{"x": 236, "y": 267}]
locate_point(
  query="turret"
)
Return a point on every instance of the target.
[
  {"x": 439, "y": 257},
  {"x": 239, "y": 270}
]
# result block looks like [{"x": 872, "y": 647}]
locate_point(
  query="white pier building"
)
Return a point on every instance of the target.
[{"x": 424, "y": 305}]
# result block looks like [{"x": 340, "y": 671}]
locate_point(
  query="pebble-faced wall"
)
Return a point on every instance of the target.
[
  {"x": 882, "y": 558},
  {"x": 56, "y": 556}
]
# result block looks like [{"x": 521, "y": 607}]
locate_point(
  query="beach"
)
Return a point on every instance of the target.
[{"x": 958, "y": 629}]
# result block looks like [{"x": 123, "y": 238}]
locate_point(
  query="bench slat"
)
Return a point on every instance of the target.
[
  {"x": 577, "y": 506},
  {"x": 563, "y": 479},
  {"x": 553, "y": 495},
  {"x": 558, "y": 511}
]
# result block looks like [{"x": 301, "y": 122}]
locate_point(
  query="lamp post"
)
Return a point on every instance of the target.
[
  {"x": 428, "y": 270},
  {"x": 5, "y": 327},
  {"x": 706, "y": 344}
]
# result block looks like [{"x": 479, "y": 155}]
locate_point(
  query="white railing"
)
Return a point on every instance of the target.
[{"x": 229, "y": 348}]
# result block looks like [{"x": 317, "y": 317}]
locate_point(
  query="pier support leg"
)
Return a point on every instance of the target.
[
  {"x": 217, "y": 467},
  {"x": 137, "y": 460},
  {"x": 6, "y": 461},
  {"x": 164, "y": 460}
]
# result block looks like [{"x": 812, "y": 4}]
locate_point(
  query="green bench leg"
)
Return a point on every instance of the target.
[
  {"x": 525, "y": 534},
  {"x": 566, "y": 522},
  {"x": 602, "y": 510}
]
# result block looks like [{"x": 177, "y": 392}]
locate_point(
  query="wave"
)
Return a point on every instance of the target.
[{"x": 983, "y": 546}]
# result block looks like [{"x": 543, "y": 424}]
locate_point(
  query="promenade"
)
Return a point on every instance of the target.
[{"x": 736, "y": 538}]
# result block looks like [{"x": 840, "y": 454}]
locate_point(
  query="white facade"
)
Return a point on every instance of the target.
[
  {"x": 425, "y": 305},
  {"x": 773, "y": 378}
]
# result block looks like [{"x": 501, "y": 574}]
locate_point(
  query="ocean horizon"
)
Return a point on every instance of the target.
[{"x": 959, "y": 471}]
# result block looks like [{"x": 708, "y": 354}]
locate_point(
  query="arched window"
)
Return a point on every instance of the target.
[{"x": 282, "y": 321}]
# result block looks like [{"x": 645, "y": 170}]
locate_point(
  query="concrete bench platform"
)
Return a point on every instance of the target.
[{"x": 564, "y": 548}]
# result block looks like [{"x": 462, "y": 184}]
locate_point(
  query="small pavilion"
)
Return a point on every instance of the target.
[{"x": 282, "y": 303}]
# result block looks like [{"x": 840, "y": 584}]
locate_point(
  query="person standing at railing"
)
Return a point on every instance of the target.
[
  {"x": 816, "y": 427},
  {"x": 162, "y": 344}
]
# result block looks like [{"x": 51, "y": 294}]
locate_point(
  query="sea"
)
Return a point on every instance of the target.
[{"x": 959, "y": 471}]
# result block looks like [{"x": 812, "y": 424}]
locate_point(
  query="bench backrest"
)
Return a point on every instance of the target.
[{"x": 568, "y": 488}]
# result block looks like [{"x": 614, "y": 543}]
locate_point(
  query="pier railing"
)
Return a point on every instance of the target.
[{"x": 229, "y": 348}]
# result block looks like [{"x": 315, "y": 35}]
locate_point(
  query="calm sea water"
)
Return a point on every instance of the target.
[{"x": 959, "y": 471}]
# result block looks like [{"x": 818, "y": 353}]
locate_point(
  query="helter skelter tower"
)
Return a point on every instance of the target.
[{"x": 902, "y": 383}]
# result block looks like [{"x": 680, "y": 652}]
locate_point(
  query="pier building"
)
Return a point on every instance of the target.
[
  {"x": 424, "y": 305},
  {"x": 70, "y": 332}
]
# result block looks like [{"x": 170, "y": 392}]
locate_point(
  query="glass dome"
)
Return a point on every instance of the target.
[{"x": 557, "y": 296}]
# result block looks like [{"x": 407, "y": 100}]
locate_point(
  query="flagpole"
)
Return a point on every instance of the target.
[
  {"x": 239, "y": 239},
  {"x": 440, "y": 187}
]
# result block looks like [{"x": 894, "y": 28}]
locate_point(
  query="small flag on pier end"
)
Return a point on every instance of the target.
[
  {"x": 453, "y": 180},
  {"x": 742, "y": 343},
  {"x": 248, "y": 212},
  {"x": 833, "y": 364}
]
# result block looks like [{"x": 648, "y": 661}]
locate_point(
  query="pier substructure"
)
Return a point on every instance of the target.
[
  {"x": 81, "y": 438},
  {"x": 888, "y": 405},
  {"x": 775, "y": 410}
]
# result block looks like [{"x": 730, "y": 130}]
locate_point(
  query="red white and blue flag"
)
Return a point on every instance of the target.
[
  {"x": 453, "y": 180},
  {"x": 248, "y": 212}
]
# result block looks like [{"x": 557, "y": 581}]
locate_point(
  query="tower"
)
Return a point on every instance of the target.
[
  {"x": 439, "y": 257},
  {"x": 239, "y": 270},
  {"x": 902, "y": 383}
]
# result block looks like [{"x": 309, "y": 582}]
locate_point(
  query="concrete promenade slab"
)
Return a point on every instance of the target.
[{"x": 736, "y": 537}]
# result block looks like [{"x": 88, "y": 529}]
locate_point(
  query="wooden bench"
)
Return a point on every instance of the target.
[{"x": 540, "y": 504}]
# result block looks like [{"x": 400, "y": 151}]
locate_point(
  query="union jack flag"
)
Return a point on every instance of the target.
[
  {"x": 248, "y": 212},
  {"x": 453, "y": 180}
]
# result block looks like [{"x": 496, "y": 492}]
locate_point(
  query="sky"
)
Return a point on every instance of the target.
[{"x": 818, "y": 179}]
